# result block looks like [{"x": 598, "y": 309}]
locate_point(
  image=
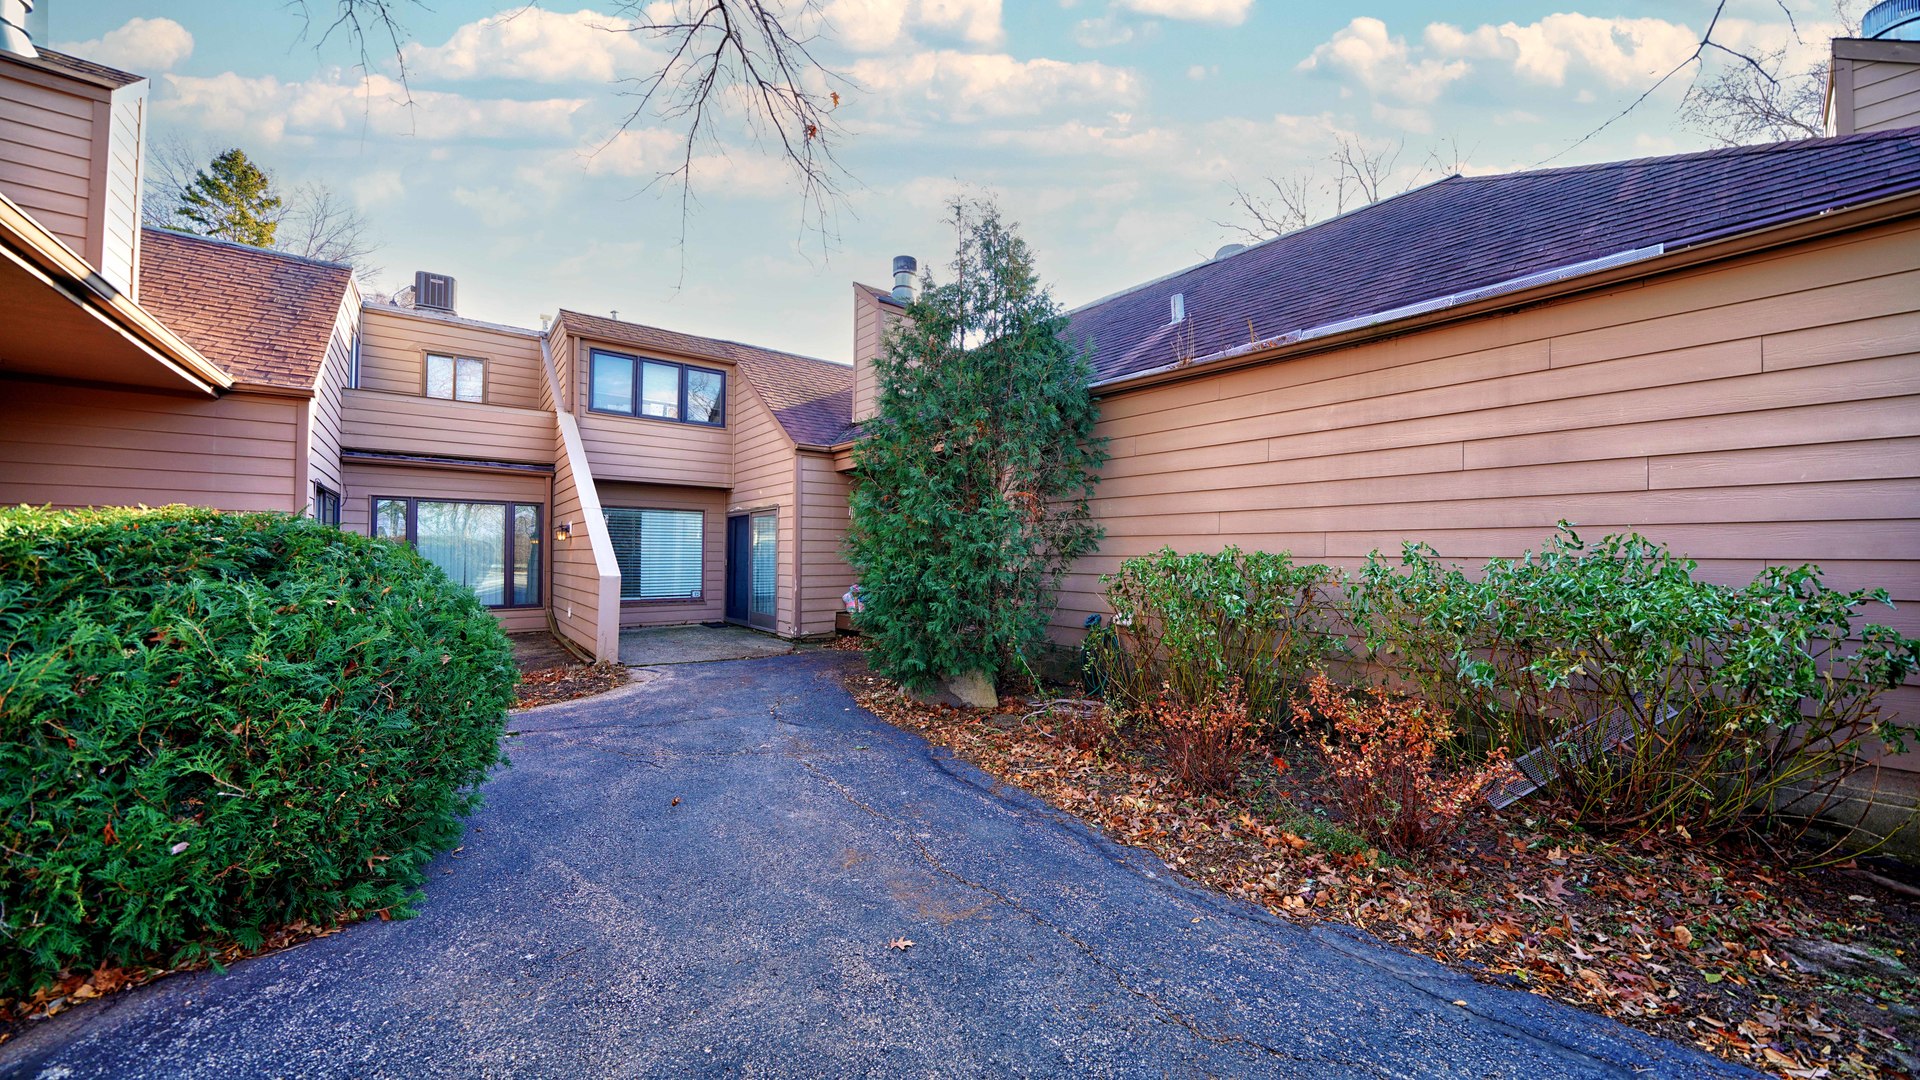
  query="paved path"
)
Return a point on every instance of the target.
[{"x": 589, "y": 928}]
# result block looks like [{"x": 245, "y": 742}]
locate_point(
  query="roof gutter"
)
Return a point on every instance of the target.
[
  {"x": 48, "y": 258},
  {"x": 1533, "y": 288}
]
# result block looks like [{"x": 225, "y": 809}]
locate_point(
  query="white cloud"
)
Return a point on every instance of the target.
[
  {"x": 885, "y": 25},
  {"x": 1101, "y": 33},
  {"x": 1363, "y": 50},
  {"x": 1075, "y": 139},
  {"x": 142, "y": 46},
  {"x": 378, "y": 186},
  {"x": 647, "y": 154},
  {"x": 1224, "y": 12},
  {"x": 270, "y": 110},
  {"x": 968, "y": 86},
  {"x": 1619, "y": 52},
  {"x": 495, "y": 207},
  {"x": 532, "y": 44}
]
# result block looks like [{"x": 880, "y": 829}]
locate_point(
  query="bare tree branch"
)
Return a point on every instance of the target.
[
  {"x": 743, "y": 53},
  {"x": 314, "y": 221},
  {"x": 1747, "y": 103}
]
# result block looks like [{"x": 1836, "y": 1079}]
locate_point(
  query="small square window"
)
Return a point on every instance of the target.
[
  {"x": 326, "y": 505},
  {"x": 456, "y": 378}
]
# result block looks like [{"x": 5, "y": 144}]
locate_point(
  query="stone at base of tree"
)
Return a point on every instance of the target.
[{"x": 967, "y": 690}]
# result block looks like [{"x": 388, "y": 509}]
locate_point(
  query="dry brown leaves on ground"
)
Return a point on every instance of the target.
[
  {"x": 1696, "y": 944},
  {"x": 76, "y": 988},
  {"x": 548, "y": 685}
]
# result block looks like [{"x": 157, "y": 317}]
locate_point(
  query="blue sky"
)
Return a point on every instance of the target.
[{"x": 1112, "y": 130}]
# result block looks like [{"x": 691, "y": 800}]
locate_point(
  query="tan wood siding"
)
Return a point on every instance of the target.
[
  {"x": 411, "y": 424},
  {"x": 1765, "y": 410},
  {"x": 395, "y": 344},
  {"x": 825, "y": 575},
  {"x": 82, "y": 446},
  {"x": 654, "y": 451},
  {"x": 763, "y": 473},
  {"x": 366, "y": 481},
  {"x": 1885, "y": 95},
  {"x": 324, "y": 416},
  {"x": 48, "y": 138},
  {"x": 713, "y": 506}
]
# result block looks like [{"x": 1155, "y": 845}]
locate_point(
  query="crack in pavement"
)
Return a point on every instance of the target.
[{"x": 1119, "y": 978}]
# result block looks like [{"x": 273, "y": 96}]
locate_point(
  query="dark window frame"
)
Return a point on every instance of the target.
[
  {"x": 636, "y": 363},
  {"x": 326, "y": 505},
  {"x": 506, "y": 587},
  {"x": 670, "y": 601}
]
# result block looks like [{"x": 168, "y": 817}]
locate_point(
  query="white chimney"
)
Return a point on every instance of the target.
[{"x": 14, "y": 38}]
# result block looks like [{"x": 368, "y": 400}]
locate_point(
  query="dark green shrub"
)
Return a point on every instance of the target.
[
  {"x": 212, "y": 724},
  {"x": 1187, "y": 626},
  {"x": 1741, "y": 704}
]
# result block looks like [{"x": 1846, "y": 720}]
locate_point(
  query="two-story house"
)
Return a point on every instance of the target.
[{"x": 593, "y": 476}]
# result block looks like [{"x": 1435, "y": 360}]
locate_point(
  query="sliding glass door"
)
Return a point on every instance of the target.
[{"x": 753, "y": 568}]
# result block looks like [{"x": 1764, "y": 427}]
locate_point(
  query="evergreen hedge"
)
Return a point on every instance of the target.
[{"x": 212, "y": 724}]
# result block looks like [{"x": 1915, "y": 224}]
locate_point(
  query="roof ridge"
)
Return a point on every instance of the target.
[
  {"x": 236, "y": 245},
  {"x": 704, "y": 337},
  {"x": 1740, "y": 150},
  {"x": 1304, "y": 229}
]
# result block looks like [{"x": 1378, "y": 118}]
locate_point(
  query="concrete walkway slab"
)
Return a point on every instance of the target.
[
  {"x": 700, "y": 876},
  {"x": 699, "y": 644}
]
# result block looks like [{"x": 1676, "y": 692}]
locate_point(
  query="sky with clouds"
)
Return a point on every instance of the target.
[{"x": 1114, "y": 131}]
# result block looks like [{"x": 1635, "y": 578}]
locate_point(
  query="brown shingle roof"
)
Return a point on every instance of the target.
[
  {"x": 812, "y": 398},
  {"x": 1466, "y": 233},
  {"x": 100, "y": 74},
  {"x": 263, "y": 316}
]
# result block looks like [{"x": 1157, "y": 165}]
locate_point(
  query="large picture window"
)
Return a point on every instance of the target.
[
  {"x": 656, "y": 389},
  {"x": 660, "y": 552},
  {"x": 491, "y": 548}
]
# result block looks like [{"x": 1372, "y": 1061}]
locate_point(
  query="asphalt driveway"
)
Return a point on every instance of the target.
[{"x": 590, "y": 926}]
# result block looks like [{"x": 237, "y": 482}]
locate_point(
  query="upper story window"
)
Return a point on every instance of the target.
[
  {"x": 656, "y": 389},
  {"x": 456, "y": 378}
]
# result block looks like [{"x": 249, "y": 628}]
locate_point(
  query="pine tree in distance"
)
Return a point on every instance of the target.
[{"x": 231, "y": 199}]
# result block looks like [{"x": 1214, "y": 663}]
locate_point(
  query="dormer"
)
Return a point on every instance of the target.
[
  {"x": 72, "y": 140},
  {"x": 1874, "y": 81}
]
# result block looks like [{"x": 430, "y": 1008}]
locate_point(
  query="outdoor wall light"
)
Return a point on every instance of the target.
[{"x": 563, "y": 531}]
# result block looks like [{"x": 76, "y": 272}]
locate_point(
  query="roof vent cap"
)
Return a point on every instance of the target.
[
  {"x": 904, "y": 267},
  {"x": 433, "y": 291},
  {"x": 1229, "y": 249},
  {"x": 1892, "y": 20},
  {"x": 1179, "y": 308}
]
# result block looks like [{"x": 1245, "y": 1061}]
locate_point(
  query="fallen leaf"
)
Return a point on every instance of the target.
[{"x": 900, "y": 943}]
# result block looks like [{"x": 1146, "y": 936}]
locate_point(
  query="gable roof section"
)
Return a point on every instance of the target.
[
  {"x": 811, "y": 398},
  {"x": 85, "y": 70},
  {"x": 1467, "y": 233},
  {"x": 264, "y": 316},
  {"x": 885, "y": 296}
]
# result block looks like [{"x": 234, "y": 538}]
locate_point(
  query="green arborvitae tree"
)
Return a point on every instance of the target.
[
  {"x": 973, "y": 477},
  {"x": 231, "y": 199}
]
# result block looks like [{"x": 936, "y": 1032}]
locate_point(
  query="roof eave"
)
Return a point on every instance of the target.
[
  {"x": 50, "y": 258},
  {"x": 1521, "y": 292}
]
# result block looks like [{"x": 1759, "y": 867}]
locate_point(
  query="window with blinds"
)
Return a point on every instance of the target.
[{"x": 660, "y": 552}]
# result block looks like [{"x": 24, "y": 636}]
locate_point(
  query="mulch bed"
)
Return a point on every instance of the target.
[
  {"x": 1799, "y": 974},
  {"x": 566, "y": 682}
]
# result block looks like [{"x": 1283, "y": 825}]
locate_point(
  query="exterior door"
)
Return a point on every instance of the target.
[
  {"x": 739, "y": 566},
  {"x": 753, "y": 564}
]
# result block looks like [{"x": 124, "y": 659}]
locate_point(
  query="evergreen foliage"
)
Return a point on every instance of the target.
[
  {"x": 974, "y": 474},
  {"x": 231, "y": 199},
  {"x": 211, "y": 724}
]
